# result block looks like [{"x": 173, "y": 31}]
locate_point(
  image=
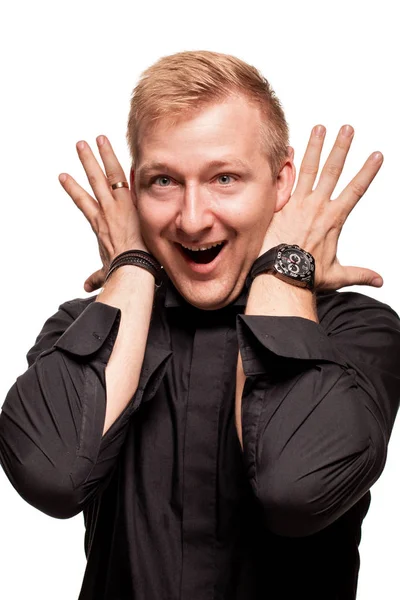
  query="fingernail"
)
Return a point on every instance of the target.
[
  {"x": 100, "y": 140},
  {"x": 80, "y": 145},
  {"x": 377, "y": 156},
  {"x": 377, "y": 282},
  {"x": 347, "y": 130},
  {"x": 319, "y": 130},
  {"x": 62, "y": 178}
]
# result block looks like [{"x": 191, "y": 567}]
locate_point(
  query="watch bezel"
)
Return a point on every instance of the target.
[{"x": 302, "y": 279}]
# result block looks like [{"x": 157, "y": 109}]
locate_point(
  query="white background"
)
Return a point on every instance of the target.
[{"x": 67, "y": 72}]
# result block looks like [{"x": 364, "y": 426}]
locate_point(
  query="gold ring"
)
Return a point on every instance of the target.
[{"x": 120, "y": 184}]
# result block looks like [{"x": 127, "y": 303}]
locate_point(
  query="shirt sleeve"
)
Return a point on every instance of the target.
[
  {"x": 52, "y": 446},
  {"x": 318, "y": 408}
]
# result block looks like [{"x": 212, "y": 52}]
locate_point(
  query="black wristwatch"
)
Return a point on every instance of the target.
[{"x": 287, "y": 262}]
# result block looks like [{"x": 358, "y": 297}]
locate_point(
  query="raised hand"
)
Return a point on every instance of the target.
[
  {"x": 112, "y": 215},
  {"x": 314, "y": 221}
]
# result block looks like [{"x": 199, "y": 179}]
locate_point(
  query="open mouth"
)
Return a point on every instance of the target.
[{"x": 202, "y": 256}]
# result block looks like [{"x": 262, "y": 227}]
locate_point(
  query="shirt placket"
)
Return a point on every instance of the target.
[{"x": 200, "y": 462}]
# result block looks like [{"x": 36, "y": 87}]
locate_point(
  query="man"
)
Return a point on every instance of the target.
[{"x": 220, "y": 431}]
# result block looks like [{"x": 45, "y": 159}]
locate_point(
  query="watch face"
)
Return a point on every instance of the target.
[{"x": 294, "y": 262}]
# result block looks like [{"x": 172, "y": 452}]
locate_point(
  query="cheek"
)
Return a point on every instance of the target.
[
  {"x": 151, "y": 218},
  {"x": 252, "y": 217}
]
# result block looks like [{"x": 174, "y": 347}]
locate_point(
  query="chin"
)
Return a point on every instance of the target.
[
  {"x": 205, "y": 304},
  {"x": 213, "y": 298}
]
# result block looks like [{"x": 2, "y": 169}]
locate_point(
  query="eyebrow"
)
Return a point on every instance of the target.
[{"x": 148, "y": 168}]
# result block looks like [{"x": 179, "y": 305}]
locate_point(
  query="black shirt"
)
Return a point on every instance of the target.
[{"x": 174, "y": 510}]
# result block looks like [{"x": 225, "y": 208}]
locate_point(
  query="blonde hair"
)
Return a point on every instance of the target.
[{"x": 177, "y": 85}]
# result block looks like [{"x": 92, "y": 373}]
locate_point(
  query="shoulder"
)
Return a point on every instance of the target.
[
  {"x": 364, "y": 330},
  {"x": 351, "y": 309}
]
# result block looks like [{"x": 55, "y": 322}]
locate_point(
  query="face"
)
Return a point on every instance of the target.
[{"x": 205, "y": 183}]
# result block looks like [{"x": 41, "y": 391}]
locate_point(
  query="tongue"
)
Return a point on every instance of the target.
[{"x": 203, "y": 256}]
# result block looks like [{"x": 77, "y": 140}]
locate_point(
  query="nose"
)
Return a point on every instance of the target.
[{"x": 195, "y": 214}]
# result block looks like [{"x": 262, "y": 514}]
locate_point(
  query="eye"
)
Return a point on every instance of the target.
[
  {"x": 225, "y": 179},
  {"x": 163, "y": 180}
]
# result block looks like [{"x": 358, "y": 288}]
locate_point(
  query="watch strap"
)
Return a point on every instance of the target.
[{"x": 264, "y": 264}]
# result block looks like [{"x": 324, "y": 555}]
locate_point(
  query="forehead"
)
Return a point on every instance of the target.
[{"x": 226, "y": 128}]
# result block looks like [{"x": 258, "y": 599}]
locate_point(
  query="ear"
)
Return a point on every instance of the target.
[
  {"x": 285, "y": 180},
  {"x": 132, "y": 186}
]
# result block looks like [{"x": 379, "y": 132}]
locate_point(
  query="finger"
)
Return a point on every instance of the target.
[
  {"x": 81, "y": 198},
  {"x": 95, "y": 175},
  {"x": 112, "y": 167},
  {"x": 334, "y": 165},
  {"x": 95, "y": 281},
  {"x": 310, "y": 163},
  {"x": 360, "y": 183},
  {"x": 360, "y": 276}
]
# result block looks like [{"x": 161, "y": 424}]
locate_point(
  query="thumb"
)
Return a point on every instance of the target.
[
  {"x": 95, "y": 281},
  {"x": 361, "y": 276}
]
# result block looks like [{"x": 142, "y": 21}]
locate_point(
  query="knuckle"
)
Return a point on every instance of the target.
[
  {"x": 92, "y": 180},
  {"x": 340, "y": 145},
  {"x": 338, "y": 220},
  {"x": 103, "y": 231},
  {"x": 333, "y": 170},
  {"x": 114, "y": 177},
  {"x": 98, "y": 225},
  {"x": 80, "y": 201},
  {"x": 364, "y": 278},
  {"x": 332, "y": 225},
  {"x": 358, "y": 189},
  {"x": 308, "y": 169},
  {"x": 339, "y": 223}
]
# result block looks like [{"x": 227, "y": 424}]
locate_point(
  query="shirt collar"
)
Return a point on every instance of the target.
[{"x": 174, "y": 299}]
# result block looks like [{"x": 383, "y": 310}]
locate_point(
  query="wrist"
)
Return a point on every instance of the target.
[
  {"x": 128, "y": 276},
  {"x": 270, "y": 296}
]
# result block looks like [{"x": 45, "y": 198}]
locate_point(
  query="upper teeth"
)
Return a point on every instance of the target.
[{"x": 203, "y": 248}]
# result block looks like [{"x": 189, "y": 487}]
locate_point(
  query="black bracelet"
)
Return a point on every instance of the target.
[
  {"x": 138, "y": 262},
  {"x": 141, "y": 253},
  {"x": 138, "y": 258}
]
